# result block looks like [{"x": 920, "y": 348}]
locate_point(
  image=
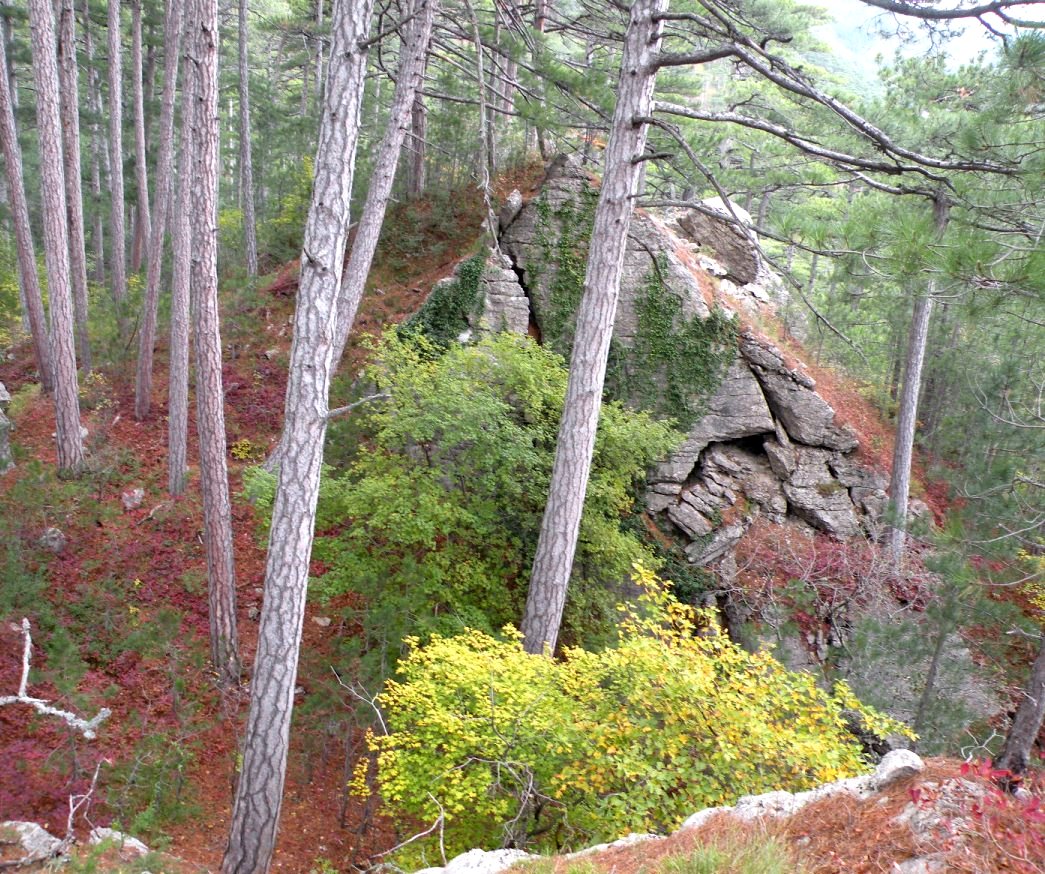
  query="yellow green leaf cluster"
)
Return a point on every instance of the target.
[{"x": 522, "y": 750}]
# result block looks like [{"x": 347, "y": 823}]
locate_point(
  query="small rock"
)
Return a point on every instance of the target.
[
  {"x": 895, "y": 766},
  {"x": 5, "y": 397},
  {"x": 129, "y": 848},
  {"x": 132, "y": 499},
  {"x": 322, "y": 621},
  {"x": 270, "y": 353},
  {"x": 253, "y": 613},
  {"x": 53, "y": 540},
  {"x": 626, "y": 841},
  {"x": 35, "y": 841}
]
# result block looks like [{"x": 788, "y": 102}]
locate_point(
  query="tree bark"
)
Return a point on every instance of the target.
[
  {"x": 259, "y": 793},
  {"x": 29, "y": 279},
  {"x": 147, "y": 332},
  {"x": 181, "y": 244},
  {"x": 70, "y": 89},
  {"x": 1015, "y": 754},
  {"x": 210, "y": 397},
  {"x": 118, "y": 263},
  {"x": 98, "y": 148},
  {"x": 246, "y": 161},
  {"x": 415, "y": 185},
  {"x": 416, "y": 36},
  {"x": 56, "y": 237},
  {"x": 143, "y": 224},
  {"x": 560, "y": 526},
  {"x": 900, "y": 478}
]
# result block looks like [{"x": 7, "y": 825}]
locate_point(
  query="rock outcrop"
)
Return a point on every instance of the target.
[{"x": 766, "y": 444}]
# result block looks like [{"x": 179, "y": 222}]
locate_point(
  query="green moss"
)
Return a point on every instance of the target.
[
  {"x": 675, "y": 363},
  {"x": 564, "y": 249},
  {"x": 444, "y": 315}
]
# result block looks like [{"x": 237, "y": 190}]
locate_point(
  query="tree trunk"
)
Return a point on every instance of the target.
[
  {"x": 210, "y": 397},
  {"x": 98, "y": 147},
  {"x": 259, "y": 793},
  {"x": 416, "y": 36},
  {"x": 1015, "y": 754},
  {"x": 415, "y": 185},
  {"x": 181, "y": 244},
  {"x": 28, "y": 278},
  {"x": 573, "y": 452},
  {"x": 900, "y": 478},
  {"x": 118, "y": 268},
  {"x": 143, "y": 224},
  {"x": 70, "y": 88},
  {"x": 56, "y": 237},
  {"x": 246, "y": 162},
  {"x": 147, "y": 333}
]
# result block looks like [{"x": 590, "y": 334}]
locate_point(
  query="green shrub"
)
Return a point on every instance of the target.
[
  {"x": 436, "y": 520},
  {"x": 521, "y": 750}
]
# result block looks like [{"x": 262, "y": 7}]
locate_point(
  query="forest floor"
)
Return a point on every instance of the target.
[{"x": 119, "y": 614}]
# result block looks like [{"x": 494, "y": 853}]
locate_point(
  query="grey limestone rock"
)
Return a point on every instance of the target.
[
  {"x": 791, "y": 394},
  {"x": 817, "y": 497},
  {"x": 737, "y": 409},
  {"x": 35, "y": 842},
  {"x": 53, "y": 540},
  {"x": 510, "y": 210},
  {"x": 732, "y": 246},
  {"x": 505, "y": 305},
  {"x": 482, "y": 862}
]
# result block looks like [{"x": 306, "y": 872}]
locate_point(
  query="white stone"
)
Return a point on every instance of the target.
[
  {"x": 36, "y": 842},
  {"x": 896, "y": 765},
  {"x": 627, "y": 841},
  {"x": 132, "y": 499},
  {"x": 482, "y": 862},
  {"x": 702, "y": 816},
  {"x": 127, "y": 845}
]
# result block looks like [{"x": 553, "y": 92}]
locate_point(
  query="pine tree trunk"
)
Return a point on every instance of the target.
[
  {"x": 56, "y": 237},
  {"x": 70, "y": 89},
  {"x": 143, "y": 223},
  {"x": 900, "y": 478},
  {"x": 28, "y": 278},
  {"x": 210, "y": 409},
  {"x": 118, "y": 263},
  {"x": 1015, "y": 754},
  {"x": 598, "y": 308},
  {"x": 147, "y": 333},
  {"x": 98, "y": 148},
  {"x": 259, "y": 793},
  {"x": 416, "y": 181},
  {"x": 246, "y": 161},
  {"x": 181, "y": 244},
  {"x": 409, "y": 74}
]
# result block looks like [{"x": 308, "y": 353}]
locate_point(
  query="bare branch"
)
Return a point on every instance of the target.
[{"x": 88, "y": 728}]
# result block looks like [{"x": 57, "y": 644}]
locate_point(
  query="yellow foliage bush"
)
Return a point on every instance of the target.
[{"x": 519, "y": 750}]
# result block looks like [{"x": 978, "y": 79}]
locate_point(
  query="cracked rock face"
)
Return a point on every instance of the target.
[
  {"x": 733, "y": 247},
  {"x": 768, "y": 445}
]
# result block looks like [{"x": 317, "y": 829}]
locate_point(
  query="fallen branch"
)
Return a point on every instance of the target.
[{"x": 88, "y": 728}]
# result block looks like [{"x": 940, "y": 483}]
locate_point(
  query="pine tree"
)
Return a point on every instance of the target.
[
  {"x": 259, "y": 793},
  {"x": 56, "y": 237}
]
